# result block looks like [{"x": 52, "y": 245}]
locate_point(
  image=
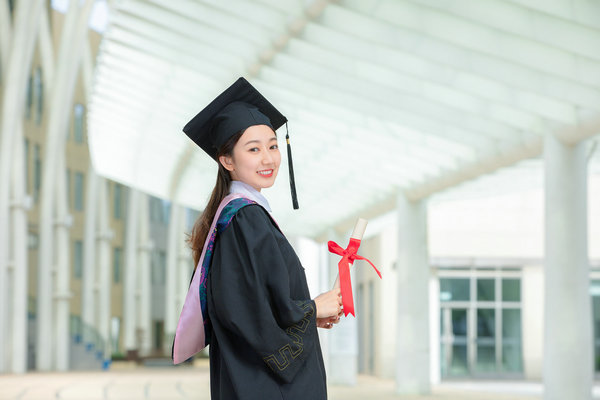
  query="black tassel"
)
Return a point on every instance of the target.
[{"x": 291, "y": 166}]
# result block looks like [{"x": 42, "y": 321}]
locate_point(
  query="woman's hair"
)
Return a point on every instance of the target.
[{"x": 202, "y": 225}]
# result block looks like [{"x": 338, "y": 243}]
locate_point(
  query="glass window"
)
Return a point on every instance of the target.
[
  {"x": 486, "y": 323},
  {"x": 78, "y": 259},
  {"x": 38, "y": 90},
  {"x": 69, "y": 201},
  {"x": 29, "y": 97},
  {"x": 159, "y": 267},
  {"x": 78, "y": 203},
  {"x": 459, "y": 364},
  {"x": 459, "y": 322},
  {"x": 166, "y": 211},
  {"x": 454, "y": 289},
  {"x": 596, "y": 327},
  {"x": 37, "y": 171},
  {"x": 117, "y": 264},
  {"x": 27, "y": 169},
  {"x": 118, "y": 201},
  {"x": 486, "y": 290},
  {"x": 511, "y": 289},
  {"x": 78, "y": 123},
  {"x": 486, "y": 357}
]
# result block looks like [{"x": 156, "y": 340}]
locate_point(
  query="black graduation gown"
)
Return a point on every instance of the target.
[{"x": 264, "y": 342}]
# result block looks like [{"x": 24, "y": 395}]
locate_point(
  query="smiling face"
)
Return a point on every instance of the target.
[{"x": 256, "y": 158}]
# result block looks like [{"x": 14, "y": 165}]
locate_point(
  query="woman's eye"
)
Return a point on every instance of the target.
[
  {"x": 274, "y": 147},
  {"x": 254, "y": 149}
]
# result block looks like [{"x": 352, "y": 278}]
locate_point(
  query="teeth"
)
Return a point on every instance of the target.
[{"x": 266, "y": 172}]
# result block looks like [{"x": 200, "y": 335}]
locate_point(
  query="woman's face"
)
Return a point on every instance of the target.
[{"x": 256, "y": 158}]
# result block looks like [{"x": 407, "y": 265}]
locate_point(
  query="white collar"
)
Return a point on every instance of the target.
[{"x": 249, "y": 192}]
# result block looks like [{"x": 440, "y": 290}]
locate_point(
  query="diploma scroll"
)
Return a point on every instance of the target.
[
  {"x": 348, "y": 256},
  {"x": 357, "y": 233}
]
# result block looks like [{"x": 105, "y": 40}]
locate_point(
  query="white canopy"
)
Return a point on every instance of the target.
[{"x": 382, "y": 96}]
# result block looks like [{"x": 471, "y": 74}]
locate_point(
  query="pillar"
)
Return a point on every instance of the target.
[
  {"x": 89, "y": 254},
  {"x": 16, "y": 66},
  {"x": 144, "y": 280},
  {"x": 130, "y": 275},
  {"x": 412, "y": 351},
  {"x": 343, "y": 338},
  {"x": 568, "y": 350},
  {"x": 73, "y": 34},
  {"x": 62, "y": 291},
  {"x": 104, "y": 276},
  {"x": 172, "y": 308},
  {"x": 21, "y": 203}
]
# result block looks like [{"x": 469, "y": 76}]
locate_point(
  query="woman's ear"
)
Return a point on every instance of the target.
[{"x": 226, "y": 162}]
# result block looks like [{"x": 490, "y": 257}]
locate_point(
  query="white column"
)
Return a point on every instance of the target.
[
  {"x": 325, "y": 284},
  {"x": 412, "y": 363},
  {"x": 172, "y": 308},
  {"x": 185, "y": 264},
  {"x": 568, "y": 350},
  {"x": 21, "y": 203},
  {"x": 130, "y": 276},
  {"x": 343, "y": 338},
  {"x": 16, "y": 71},
  {"x": 144, "y": 280},
  {"x": 73, "y": 33},
  {"x": 104, "y": 276},
  {"x": 89, "y": 252},
  {"x": 62, "y": 294}
]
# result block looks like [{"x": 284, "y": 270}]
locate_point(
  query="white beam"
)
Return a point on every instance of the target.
[
  {"x": 73, "y": 34},
  {"x": 392, "y": 21},
  {"x": 14, "y": 84},
  {"x": 397, "y": 50}
]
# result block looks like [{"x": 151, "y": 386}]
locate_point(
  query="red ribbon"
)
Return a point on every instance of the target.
[{"x": 348, "y": 256}]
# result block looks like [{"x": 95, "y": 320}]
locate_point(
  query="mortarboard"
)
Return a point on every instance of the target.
[{"x": 238, "y": 107}]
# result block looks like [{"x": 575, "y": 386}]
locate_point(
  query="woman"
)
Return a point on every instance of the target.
[{"x": 261, "y": 321}]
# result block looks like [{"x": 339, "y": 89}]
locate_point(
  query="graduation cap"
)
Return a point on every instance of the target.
[{"x": 237, "y": 108}]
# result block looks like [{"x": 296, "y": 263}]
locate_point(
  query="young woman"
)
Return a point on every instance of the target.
[{"x": 260, "y": 320}]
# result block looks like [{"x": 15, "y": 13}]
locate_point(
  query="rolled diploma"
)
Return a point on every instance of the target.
[{"x": 357, "y": 233}]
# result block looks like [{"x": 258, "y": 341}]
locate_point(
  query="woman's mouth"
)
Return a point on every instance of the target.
[{"x": 267, "y": 173}]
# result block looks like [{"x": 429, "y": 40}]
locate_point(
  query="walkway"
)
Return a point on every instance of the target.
[{"x": 192, "y": 383}]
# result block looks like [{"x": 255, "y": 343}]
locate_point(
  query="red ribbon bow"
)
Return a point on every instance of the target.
[{"x": 348, "y": 256}]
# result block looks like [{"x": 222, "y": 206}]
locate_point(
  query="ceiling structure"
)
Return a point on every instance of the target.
[{"x": 382, "y": 96}]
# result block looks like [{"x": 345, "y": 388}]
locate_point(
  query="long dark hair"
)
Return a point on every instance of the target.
[{"x": 201, "y": 227}]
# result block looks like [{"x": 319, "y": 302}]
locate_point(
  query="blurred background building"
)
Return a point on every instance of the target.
[{"x": 465, "y": 131}]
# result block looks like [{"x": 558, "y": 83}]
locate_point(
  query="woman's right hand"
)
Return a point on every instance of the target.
[{"x": 329, "y": 304}]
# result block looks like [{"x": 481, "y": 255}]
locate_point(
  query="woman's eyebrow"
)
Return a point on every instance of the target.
[{"x": 258, "y": 141}]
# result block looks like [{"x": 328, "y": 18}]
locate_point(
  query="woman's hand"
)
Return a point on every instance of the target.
[
  {"x": 327, "y": 323},
  {"x": 329, "y": 304}
]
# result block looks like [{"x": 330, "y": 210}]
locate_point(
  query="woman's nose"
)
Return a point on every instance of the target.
[{"x": 267, "y": 157}]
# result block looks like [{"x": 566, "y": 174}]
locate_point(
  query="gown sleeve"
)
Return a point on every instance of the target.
[{"x": 250, "y": 282}]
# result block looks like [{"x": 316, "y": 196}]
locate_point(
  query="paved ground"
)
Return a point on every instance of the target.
[{"x": 192, "y": 383}]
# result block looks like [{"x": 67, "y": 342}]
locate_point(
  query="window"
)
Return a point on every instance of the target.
[
  {"x": 38, "y": 94},
  {"x": 117, "y": 264},
  {"x": 118, "y": 201},
  {"x": 79, "y": 178},
  {"x": 29, "y": 97},
  {"x": 37, "y": 172},
  {"x": 78, "y": 259},
  {"x": 511, "y": 290},
  {"x": 159, "y": 267},
  {"x": 69, "y": 191},
  {"x": 78, "y": 123},
  {"x": 27, "y": 169},
  {"x": 480, "y": 323},
  {"x": 454, "y": 289}
]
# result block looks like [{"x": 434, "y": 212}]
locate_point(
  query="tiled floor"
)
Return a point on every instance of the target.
[{"x": 192, "y": 383}]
